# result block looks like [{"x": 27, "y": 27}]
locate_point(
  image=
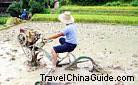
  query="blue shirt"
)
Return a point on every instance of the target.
[
  {"x": 24, "y": 13},
  {"x": 70, "y": 33}
]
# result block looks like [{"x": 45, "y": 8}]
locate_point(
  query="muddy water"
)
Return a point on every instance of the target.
[{"x": 114, "y": 47}]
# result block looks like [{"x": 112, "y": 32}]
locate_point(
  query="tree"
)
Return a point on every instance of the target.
[
  {"x": 25, "y": 4},
  {"x": 14, "y": 9},
  {"x": 35, "y": 7}
]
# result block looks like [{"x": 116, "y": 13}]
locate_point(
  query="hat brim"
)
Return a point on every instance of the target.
[{"x": 63, "y": 20}]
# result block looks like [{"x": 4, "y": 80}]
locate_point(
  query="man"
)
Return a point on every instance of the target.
[
  {"x": 69, "y": 40},
  {"x": 24, "y": 14}
]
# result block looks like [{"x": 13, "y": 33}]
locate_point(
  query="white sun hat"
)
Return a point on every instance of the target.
[{"x": 66, "y": 17}]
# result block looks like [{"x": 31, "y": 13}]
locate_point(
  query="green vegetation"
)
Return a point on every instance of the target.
[
  {"x": 39, "y": 6},
  {"x": 134, "y": 3},
  {"x": 104, "y": 2},
  {"x": 32, "y": 6},
  {"x": 14, "y": 9},
  {"x": 43, "y": 6},
  {"x": 131, "y": 20},
  {"x": 7, "y": 22},
  {"x": 96, "y": 14},
  {"x": 35, "y": 7},
  {"x": 3, "y": 20},
  {"x": 45, "y": 17},
  {"x": 24, "y": 4},
  {"x": 102, "y": 10},
  {"x": 115, "y": 3},
  {"x": 1, "y": 26}
]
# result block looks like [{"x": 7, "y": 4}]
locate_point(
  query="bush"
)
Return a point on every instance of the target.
[
  {"x": 134, "y": 3},
  {"x": 24, "y": 4},
  {"x": 47, "y": 11},
  {"x": 96, "y": 2},
  {"x": 84, "y": 2},
  {"x": 14, "y": 9},
  {"x": 118, "y": 3},
  {"x": 108, "y": 4},
  {"x": 125, "y": 4},
  {"x": 35, "y": 7},
  {"x": 51, "y": 4},
  {"x": 65, "y": 2},
  {"x": 57, "y": 11}
]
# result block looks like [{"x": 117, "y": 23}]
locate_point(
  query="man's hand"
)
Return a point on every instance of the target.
[{"x": 47, "y": 40}]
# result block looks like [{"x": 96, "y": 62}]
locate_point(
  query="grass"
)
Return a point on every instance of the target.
[
  {"x": 45, "y": 17},
  {"x": 129, "y": 20},
  {"x": 1, "y": 26},
  {"x": 102, "y": 10},
  {"x": 3, "y": 20}
]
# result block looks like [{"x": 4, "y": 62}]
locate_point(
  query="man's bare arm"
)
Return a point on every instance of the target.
[{"x": 56, "y": 36}]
